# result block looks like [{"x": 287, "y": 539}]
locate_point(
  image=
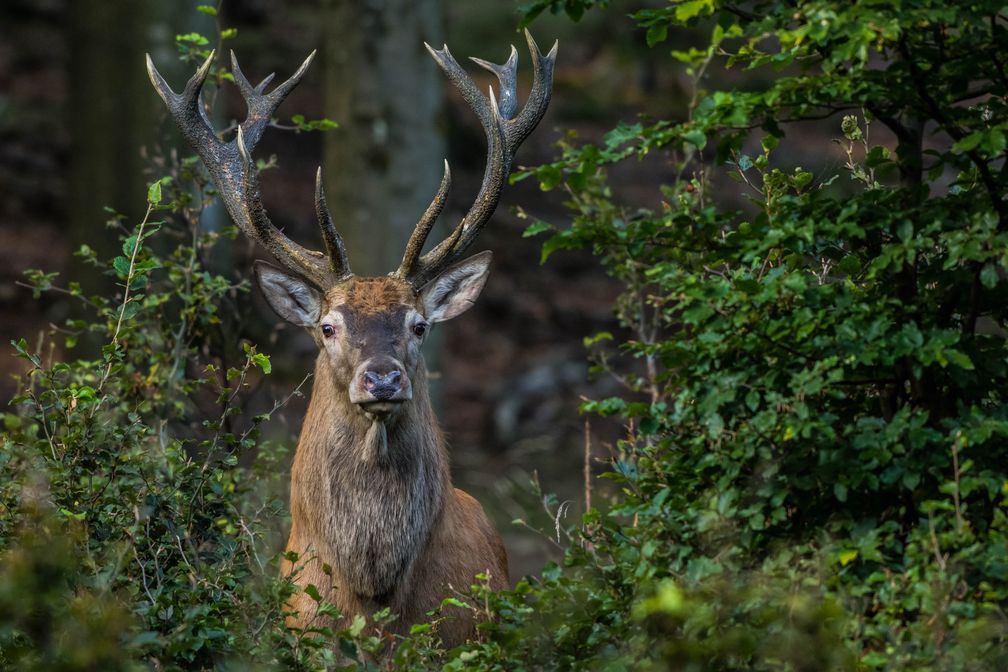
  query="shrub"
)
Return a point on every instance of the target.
[
  {"x": 130, "y": 535},
  {"x": 815, "y": 476}
]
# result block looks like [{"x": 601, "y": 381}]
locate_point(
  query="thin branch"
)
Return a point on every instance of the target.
[
  {"x": 126, "y": 296},
  {"x": 587, "y": 464}
]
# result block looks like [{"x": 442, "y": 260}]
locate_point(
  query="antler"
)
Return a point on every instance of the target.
[
  {"x": 504, "y": 132},
  {"x": 234, "y": 173}
]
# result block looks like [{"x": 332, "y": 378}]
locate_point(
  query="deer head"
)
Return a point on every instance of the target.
[{"x": 369, "y": 329}]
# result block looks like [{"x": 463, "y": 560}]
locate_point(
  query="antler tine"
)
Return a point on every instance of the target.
[
  {"x": 244, "y": 85},
  {"x": 335, "y": 248},
  {"x": 498, "y": 161},
  {"x": 539, "y": 97},
  {"x": 261, "y": 106},
  {"x": 186, "y": 107},
  {"x": 504, "y": 132},
  {"x": 423, "y": 228},
  {"x": 231, "y": 166},
  {"x": 507, "y": 75}
]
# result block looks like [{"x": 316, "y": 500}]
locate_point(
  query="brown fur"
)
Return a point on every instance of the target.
[
  {"x": 392, "y": 530},
  {"x": 372, "y": 295}
]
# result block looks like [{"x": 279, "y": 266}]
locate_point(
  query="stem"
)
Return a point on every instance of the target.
[
  {"x": 587, "y": 464},
  {"x": 126, "y": 294},
  {"x": 955, "y": 493}
]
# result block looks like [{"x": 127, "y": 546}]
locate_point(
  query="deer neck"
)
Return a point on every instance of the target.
[{"x": 370, "y": 491}]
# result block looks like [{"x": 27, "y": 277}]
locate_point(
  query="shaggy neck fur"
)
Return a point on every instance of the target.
[{"x": 374, "y": 503}]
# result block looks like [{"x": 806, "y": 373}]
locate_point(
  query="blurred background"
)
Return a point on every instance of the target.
[{"x": 78, "y": 119}]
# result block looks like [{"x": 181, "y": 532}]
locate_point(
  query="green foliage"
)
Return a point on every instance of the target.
[
  {"x": 815, "y": 476},
  {"x": 130, "y": 536},
  {"x": 574, "y": 9},
  {"x": 44, "y": 628},
  {"x": 303, "y": 124}
]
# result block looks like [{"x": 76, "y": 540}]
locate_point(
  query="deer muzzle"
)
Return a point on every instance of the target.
[{"x": 380, "y": 385}]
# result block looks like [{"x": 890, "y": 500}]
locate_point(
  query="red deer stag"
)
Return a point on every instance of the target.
[{"x": 375, "y": 519}]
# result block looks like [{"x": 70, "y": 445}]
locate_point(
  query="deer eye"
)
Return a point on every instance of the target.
[
  {"x": 328, "y": 331},
  {"x": 420, "y": 328}
]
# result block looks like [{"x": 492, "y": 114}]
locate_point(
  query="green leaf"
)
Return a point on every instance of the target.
[
  {"x": 207, "y": 9},
  {"x": 313, "y": 592},
  {"x": 969, "y": 142},
  {"x": 657, "y": 33},
  {"x": 193, "y": 38},
  {"x": 994, "y": 142},
  {"x": 263, "y": 362},
  {"x": 695, "y": 137},
  {"x": 551, "y": 245},
  {"x": 313, "y": 124},
  {"x": 73, "y": 515},
  {"x": 154, "y": 193},
  {"x": 648, "y": 426},
  {"x": 877, "y": 156},
  {"x": 905, "y": 230},
  {"x": 142, "y": 639},
  {"x": 801, "y": 178},
  {"x": 689, "y": 9},
  {"x": 122, "y": 266},
  {"x": 549, "y": 177},
  {"x": 536, "y": 228},
  {"x": 959, "y": 358},
  {"x": 129, "y": 245},
  {"x": 989, "y": 275}
]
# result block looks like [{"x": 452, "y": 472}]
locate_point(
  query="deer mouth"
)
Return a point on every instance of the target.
[
  {"x": 380, "y": 401},
  {"x": 381, "y": 405}
]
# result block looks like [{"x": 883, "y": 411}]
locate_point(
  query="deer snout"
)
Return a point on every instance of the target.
[
  {"x": 382, "y": 387},
  {"x": 379, "y": 384}
]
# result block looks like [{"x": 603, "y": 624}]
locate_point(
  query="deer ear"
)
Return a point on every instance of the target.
[
  {"x": 292, "y": 298},
  {"x": 456, "y": 288}
]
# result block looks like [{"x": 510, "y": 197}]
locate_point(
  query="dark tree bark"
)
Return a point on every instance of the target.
[
  {"x": 111, "y": 114},
  {"x": 383, "y": 164}
]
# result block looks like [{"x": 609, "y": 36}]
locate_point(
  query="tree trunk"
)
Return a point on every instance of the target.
[{"x": 112, "y": 113}]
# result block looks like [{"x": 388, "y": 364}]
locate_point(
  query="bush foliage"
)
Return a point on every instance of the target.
[
  {"x": 814, "y": 475},
  {"x": 817, "y": 477}
]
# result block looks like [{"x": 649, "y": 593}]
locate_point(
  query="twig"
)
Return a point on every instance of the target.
[
  {"x": 587, "y": 464},
  {"x": 955, "y": 493},
  {"x": 561, "y": 513},
  {"x": 934, "y": 543},
  {"x": 278, "y": 404},
  {"x": 58, "y": 290},
  {"x": 126, "y": 292}
]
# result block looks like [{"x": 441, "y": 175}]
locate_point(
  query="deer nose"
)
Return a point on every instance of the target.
[
  {"x": 380, "y": 382},
  {"x": 382, "y": 386}
]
